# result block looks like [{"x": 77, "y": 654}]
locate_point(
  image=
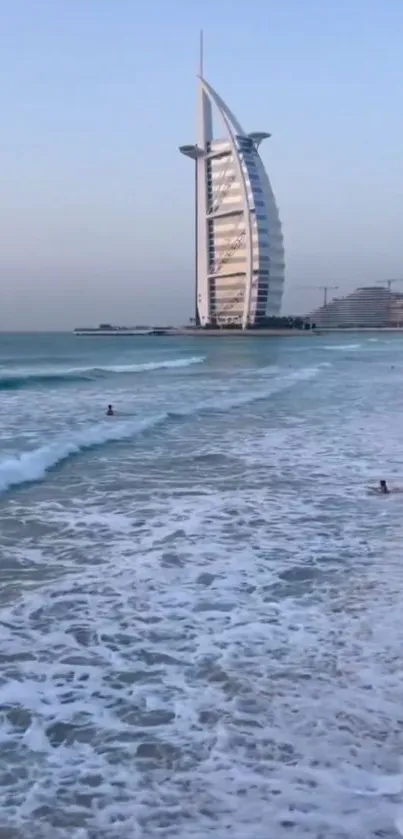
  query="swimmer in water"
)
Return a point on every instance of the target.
[
  {"x": 382, "y": 489},
  {"x": 110, "y": 411}
]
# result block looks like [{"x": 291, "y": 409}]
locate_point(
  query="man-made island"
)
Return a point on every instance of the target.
[{"x": 307, "y": 330}]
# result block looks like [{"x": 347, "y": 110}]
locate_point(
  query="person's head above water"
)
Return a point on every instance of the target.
[
  {"x": 110, "y": 410},
  {"x": 383, "y": 486}
]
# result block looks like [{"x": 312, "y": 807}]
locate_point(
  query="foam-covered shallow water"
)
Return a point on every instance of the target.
[{"x": 200, "y": 603}]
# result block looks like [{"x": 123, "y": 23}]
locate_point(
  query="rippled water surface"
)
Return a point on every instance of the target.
[{"x": 200, "y": 603}]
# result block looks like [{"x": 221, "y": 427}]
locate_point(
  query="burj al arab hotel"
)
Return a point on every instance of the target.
[{"x": 239, "y": 240}]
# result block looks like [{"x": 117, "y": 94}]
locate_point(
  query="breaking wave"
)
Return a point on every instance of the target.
[
  {"x": 32, "y": 466},
  {"x": 24, "y": 378}
]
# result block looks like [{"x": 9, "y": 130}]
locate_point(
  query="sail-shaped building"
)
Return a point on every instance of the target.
[{"x": 239, "y": 241}]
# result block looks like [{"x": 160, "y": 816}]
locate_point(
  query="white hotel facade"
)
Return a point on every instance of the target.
[{"x": 239, "y": 241}]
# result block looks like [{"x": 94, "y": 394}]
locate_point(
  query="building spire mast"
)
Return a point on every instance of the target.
[{"x": 201, "y": 56}]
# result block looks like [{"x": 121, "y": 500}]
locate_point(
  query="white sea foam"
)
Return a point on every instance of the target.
[
  {"x": 342, "y": 347},
  {"x": 206, "y": 675},
  {"x": 279, "y": 383}
]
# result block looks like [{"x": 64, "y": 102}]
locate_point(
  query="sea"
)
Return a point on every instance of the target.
[{"x": 201, "y": 603}]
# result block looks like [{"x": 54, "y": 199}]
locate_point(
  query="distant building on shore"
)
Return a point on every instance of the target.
[
  {"x": 369, "y": 306},
  {"x": 239, "y": 241},
  {"x": 396, "y": 311}
]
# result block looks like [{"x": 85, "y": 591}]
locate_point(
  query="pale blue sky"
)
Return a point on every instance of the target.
[{"x": 96, "y": 95}]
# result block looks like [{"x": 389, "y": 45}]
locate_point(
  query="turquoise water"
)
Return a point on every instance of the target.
[{"x": 200, "y": 603}]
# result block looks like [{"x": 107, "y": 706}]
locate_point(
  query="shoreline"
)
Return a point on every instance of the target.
[
  {"x": 178, "y": 332},
  {"x": 276, "y": 333}
]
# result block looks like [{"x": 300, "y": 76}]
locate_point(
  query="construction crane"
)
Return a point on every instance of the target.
[
  {"x": 389, "y": 283},
  {"x": 325, "y": 289}
]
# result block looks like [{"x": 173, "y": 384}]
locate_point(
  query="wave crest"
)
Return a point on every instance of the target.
[
  {"x": 24, "y": 378},
  {"x": 32, "y": 465}
]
